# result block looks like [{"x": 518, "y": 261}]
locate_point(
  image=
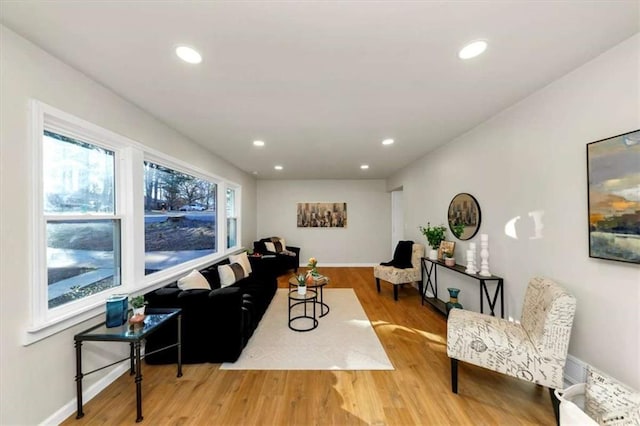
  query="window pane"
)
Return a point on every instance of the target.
[
  {"x": 232, "y": 230},
  {"x": 180, "y": 217},
  {"x": 78, "y": 177},
  {"x": 83, "y": 258}
]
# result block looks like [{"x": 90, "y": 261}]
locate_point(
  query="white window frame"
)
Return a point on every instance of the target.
[
  {"x": 237, "y": 214},
  {"x": 166, "y": 275},
  {"x": 129, "y": 192}
]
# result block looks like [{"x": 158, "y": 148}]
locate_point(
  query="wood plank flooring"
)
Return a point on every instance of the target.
[{"x": 417, "y": 392}]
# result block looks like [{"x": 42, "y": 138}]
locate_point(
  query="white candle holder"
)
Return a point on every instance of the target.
[
  {"x": 472, "y": 247},
  {"x": 484, "y": 255},
  {"x": 470, "y": 267}
]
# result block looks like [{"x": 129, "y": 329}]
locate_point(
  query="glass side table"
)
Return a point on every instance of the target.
[
  {"x": 154, "y": 319},
  {"x": 319, "y": 282},
  {"x": 308, "y": 314}
]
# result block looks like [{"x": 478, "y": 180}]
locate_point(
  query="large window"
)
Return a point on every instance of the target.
[
  {"x": 106, "y": 221},
  {"x": 82, "y": 232},
  {"x": 179, "y": 217}
]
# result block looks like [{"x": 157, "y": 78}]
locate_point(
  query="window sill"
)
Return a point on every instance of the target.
[{"x": 38, "y": 332}]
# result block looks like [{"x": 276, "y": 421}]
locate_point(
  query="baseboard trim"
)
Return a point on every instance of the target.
[{"x": 69, "y": 408}]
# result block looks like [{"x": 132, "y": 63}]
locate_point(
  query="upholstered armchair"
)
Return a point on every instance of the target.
[
  {"x": 605, "y": 401},
  {"x": 534, "y": 350},
  {"x": 399, "y": 276}
]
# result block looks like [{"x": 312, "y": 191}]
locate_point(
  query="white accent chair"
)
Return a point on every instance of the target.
[
  {"x": 602, "y": 400},
  {"x": 397, "y": 276},
  {"x": 534, "y": 350}
]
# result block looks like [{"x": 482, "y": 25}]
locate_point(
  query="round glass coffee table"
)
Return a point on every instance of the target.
[
  {"x": 304, "y": 317},
  {"x": 318, "y": 285}
]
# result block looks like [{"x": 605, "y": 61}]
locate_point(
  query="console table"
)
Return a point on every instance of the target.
[
  {"x": 430, "y": 275},
  {"x": 134, "y": 336}
]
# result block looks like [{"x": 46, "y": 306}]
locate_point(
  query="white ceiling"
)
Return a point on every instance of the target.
[{"x": 323, "y": 83}]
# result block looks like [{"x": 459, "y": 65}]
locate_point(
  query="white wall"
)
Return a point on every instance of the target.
[
  {"x": 532, "y": 157},
  {"x": 37, "y": 380},
  {"x": 366, "y": 238}
]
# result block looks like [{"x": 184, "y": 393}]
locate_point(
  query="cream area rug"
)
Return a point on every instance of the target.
[{"x": 343, "y": 340}]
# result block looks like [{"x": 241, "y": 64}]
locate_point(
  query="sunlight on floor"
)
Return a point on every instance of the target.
[{"x": 395, "y": 327}]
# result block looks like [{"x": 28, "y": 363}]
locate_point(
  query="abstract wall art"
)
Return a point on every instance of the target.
[{"x": 613, "y": 173}]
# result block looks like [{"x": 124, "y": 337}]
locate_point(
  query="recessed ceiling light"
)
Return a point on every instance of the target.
[
  {"x": 258, "y": 143},
  {"x": 388, "y": 142},
  {"x": 472, "y": 49},
  {"x": 188, "y": 54},
  {"x": 364, "y": 166},
  {"x": 278, "y": 167}
]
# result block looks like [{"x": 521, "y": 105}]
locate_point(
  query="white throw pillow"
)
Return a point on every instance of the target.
[
  {"x": 230, "y": 274},
  {"x": 195, "y": 280},
  {"x": 270, "y": 246},
  {"x": 243, "y": 260}
]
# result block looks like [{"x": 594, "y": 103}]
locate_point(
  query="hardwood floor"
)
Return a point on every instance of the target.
[{"x": 417, "y": 392}]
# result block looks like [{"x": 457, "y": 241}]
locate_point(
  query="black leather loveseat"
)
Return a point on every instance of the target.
[
  {"x": 282, "y": 261},
  {"x": 216, "y": 324}
]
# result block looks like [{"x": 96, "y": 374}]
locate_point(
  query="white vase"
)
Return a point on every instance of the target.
[
  {"x": 433, "y": 254},
  {"x": 138, "y": 311},
  {"x": 302, "y": 290}
]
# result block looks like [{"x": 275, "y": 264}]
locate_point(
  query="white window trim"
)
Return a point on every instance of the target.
[
  {"x": 45, "y": 322},
  {"x": 237, "y": 215}
]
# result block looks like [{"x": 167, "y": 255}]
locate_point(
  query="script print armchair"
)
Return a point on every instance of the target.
[
  {"x": 399, "y": 276},
  {"x": 534, "y": 350}
]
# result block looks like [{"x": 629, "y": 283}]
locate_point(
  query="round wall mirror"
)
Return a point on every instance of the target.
[{"x": 464, "y": 216}]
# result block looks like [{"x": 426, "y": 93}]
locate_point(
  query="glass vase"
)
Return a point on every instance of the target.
[{"x": 453, "y": 299}]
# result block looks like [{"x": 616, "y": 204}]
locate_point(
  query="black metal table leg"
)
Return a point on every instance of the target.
[
  {"x": 322, "y": 304},
  {"x": 501, "y": 298},
  {"x": 139, "y": 417},
  {"x": 132, "y": 369},
  {"x": 421, "y": 282},
  {"x": 79, "y": 413},
  {"x": 180, "y": 345}
]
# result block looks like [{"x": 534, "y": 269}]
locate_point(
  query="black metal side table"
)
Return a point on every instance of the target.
[
  {"x": 308, "y": 313},
  {"x": 318, "y": 285},
  {"x": 134, "y": 336}
]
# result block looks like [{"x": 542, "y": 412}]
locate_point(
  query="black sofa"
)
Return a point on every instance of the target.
[
  {"x": 281, "y": 263},
  {"x": 216, "y": 323}
]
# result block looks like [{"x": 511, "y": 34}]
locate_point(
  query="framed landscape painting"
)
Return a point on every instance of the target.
[
  {"x": 613, "y": 172},
  {"x": 322, "y": 215}
]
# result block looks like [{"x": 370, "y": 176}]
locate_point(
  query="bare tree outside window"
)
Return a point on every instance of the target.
[{"x": 180, "y": 217}]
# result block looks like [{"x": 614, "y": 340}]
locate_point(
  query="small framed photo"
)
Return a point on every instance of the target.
[{"x": 446, "y": 247}]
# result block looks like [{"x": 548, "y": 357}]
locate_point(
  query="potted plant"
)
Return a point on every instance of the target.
[
  {"x": 449, "y": 260},
  {"x": 302, "y": 285},
  {"x": 434, "y": 235},
  {"x": 138, "y": 303}
]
